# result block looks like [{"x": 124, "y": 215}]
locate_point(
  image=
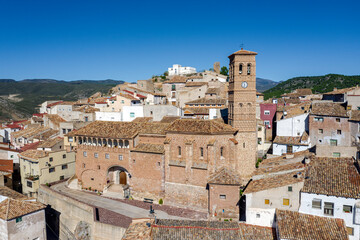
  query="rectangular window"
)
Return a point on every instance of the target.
[
  {"x": 266, "y": 112},
  {"x": 222, "y": 196},
  {"x": 267, "y": 201},
  {"x": 120, "y": 157},
  {"x": 64, "y": 155},
  {"x": 173, "y": 87},
  {"x": 29, "y": 184},
  {"x": 338, "y": 132},
  {"x": 96, "y": 155},
  {"x": 65, "y": 166},
  {"x": 84, "y": 165},
  {"x": 336, "y": 154},
  {"x": 132, "y": 114},
  {"x": 107, "y": 156},
  {"x": 286, "y": 201},
  {"x": 318, "y": 119},
  {"x": 329, "y": 208},
  {"x": 289, "y": 188},
  {"x": 51, "y": 159},
  {"x": 333, "y": 142},
  {"x": 51, "y": 170},
  {"x": 70, "y": 139},
  {"x": 316, "y": 203},
  {"x": 259, "y": 141},
  {"x": 337, "y": 119},
  {"x": 122, "y": 101},
  {"x": 19, "y": 219},
  {"x": 350, "y": 231},
  {"x": 267, "y": 123},
  {"x": 64, "y": 130},
  {"x": 85, "y": 154},
  {"x": 347, "y": 209},
  {"x": 62, "y": 177},
  {"x": 321, "y": 131}
]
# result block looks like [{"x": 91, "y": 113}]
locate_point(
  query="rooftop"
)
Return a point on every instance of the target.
[
  {"x": 176, "y": 79},
  {"x": 11, "y": 208},
  {"x": 33, "y": 154},
  {"x": 50, "y": 142},
  {"x": 333, "y": 177},
  {"x": 224, "y": 176},
  {"x": 142, "y": 119},
  {"x": 7, "y": 192},
  {"x": 149, "y": 148},
  {"x": 195, "y": 84},
  {"x": 292, "y": 140},
  {"x": 169, "y": 119},
  {"x": 355, "y": 115},
  {"x": 243, "y": 52},
  {"x": 339, "y": 91},
  {"x": 197, "y": 126},
  {"x": 328, "y": 109},
  {"x": 56, "y": 119},
  {"x": 295, "y": 225},
  {"x": 208, "y": 101}
]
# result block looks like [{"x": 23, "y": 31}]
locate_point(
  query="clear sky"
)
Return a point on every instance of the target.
[{"x": 131, "y": 40}]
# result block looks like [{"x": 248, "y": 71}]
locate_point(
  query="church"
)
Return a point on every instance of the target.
[{"x": 193, "y": 163}]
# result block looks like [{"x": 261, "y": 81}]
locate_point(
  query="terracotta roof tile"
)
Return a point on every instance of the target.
[
  {"x": 177, "y": 79},
  {"x": 143, "y": 119},
  {"x": 224, "y": 176},
  {"x": 208, "y": 101},
  {"x": 29, "y": 146},
  {"x": 54, "y": 118},
  {"x": 7, "y": 192},
  {"x": 333, "y": 176},
  {"x": 11, "y": 208},
  {"x": 274, "y": 182},
  {"x": 295, "y": 225},
  {"x": 196, "y": 111},
  {"x": 292, "y": 140},
  {"x": 197, "y": 126},
  {"x": 87, "y": 109},
  {"x": 339, "y": 91},
  {"x": 195, "y": 84},
  {"x": 169, "y": 119},
  {"x": 33, "y": 154},
  {"x": 355, "y": 115},
  {"x": 213, "y": 91},
  {"x": 328, "y": 109},
  {"x": 243, "y": 52},
  {"x": 149, "y": 148},
  {"x": 50, "y": 143}
]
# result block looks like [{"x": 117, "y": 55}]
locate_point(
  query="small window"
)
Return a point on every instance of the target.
[
  {"x": 122, "y": 101},
  {"x": 321, "y": 131},
  {"x": 347, "y": 209},
  {"x": 85, "y": 154},
  {"x": 29, "y": 184},
  {"x": 98, "y": 167},
  {"x": 71, "y": 139},
  {"x": 96, "y": 155},
  {"x": 240, "y": 68},
  {"x": 266, "y": 112},
  {"x": 132, "y": 114},
  {"x": 120, "y": 157},
  {"x": 249, "y": 69},
  {"x": 329, "y": 208},
  {"x": 286, "y": 201},
  {"x": 92, "y": 179},
  {"x": 107, "y": 156},
  {"x": 51, "y": 170},
  {"x": 338, "y": 132},
  {"x": 258, "y": 215},
  {"x": 222, "y": 151},
  {"x": 179, "y": 151},
  {"x": 19, "y": 219},
  {"x": 62, "y": 177},
  {"x": 84, "y": 165},
  {"x": 336, "y": 154},
  {"x": 173, "y": 87},
  {"x": 318, "y": 119},
  {"x": 267, "y": 201},
  {"x": 350, "y": 231},
  {"x": 51, "y": 159},
  {"x": 290, "y": 189},
  {"x": 65, "y": 166},
  {"x": 222, "y": 196},
  {"x": 201, "y": 152},
  {"x": 158, "y": 164},
  {"x": 64, "y": 155},
  {"x": 337, "y": 119},
  {"x": 64, "y": 130},
  {"x": 333, "y": 142}
]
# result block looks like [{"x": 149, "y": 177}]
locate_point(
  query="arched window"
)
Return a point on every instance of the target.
[
  {"x": 240, "y": 68},
  {"x": 126, "y": 144},
  {"x": 222, "y": 151},
  {"x": 179, "y": 151},
  {"x": 201, "y": 152},
  {"x": 248, "y": 69},
  {"x": 121, "y": 144}
]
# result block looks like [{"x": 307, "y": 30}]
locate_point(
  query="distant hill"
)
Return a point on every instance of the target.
[
  {"x": 264, "y": 84},
  {"x": 318, "y": 84},
  {"x": 33, "y": 92}
]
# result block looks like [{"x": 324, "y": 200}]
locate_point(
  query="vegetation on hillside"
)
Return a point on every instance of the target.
[{"x": 318, "y": 84}]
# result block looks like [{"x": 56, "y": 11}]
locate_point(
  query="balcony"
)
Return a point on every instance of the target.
[{"x": 31, "y": 177}]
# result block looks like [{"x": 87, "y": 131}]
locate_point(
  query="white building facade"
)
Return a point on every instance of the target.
[{"x": 177, "y": 69}]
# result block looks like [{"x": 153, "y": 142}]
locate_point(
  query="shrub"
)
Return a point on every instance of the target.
[
  {"x": 161, "y": 201},
  {"x": 90, "y": 188}
]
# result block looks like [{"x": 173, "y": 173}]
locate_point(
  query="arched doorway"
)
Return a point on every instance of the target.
[
  {"x": 117, "y": 183},
  {"x": 123, "y": 178},
  {"x": 117, "y": 175}
]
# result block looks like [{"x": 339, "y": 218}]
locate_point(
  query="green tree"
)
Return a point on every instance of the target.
[{"x": 224, "y": 71}]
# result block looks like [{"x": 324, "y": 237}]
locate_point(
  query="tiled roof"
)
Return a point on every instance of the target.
[
  {"x": 280, "y": 168},
  {"x": 7, "y": 192},
  {"x": 195, "y": 84},
  {"x": 355, "y": 115},
  {"x": 50, "y": 142},
  {"x": 156, "y": 128},
  {"x": 149, "y": 148},
  {"x": 188, "y": 229},
  {"x": 295, "y": 225},
  {"x": 138, "y": 230},
  {"x": 33, "y": 154},
  {"x": 30, "y": 131},
  {"x": 339, "y": 91},
  {"x": 224, "y": 176},
  {"x": 54, "y": 104},
  {"x": 169, "y": 119},
  {"x": 197, "y": 126},
  {"x": 294, "y": 110},
  {"x": 289, "y": 140},
  {"x": 213, "y": 91},
  {"x": 328, "y": 109},
  {"x": 46, "y": 135},
  {"x": 29, "y": 146},
  {"x": 208, "y": 101},
  {"x": 87, "y": 109},
  {"x": 54, "y": 118},
  {"x": 196, "y": 110},
  {"x": 11, "y": 208},
  {"x": 142, "y": 119},
  {"x": 333, "y": 176},
  {"x": 273, "y": 182},
  {"x": 177, "y": 79},
  {"x": 195, "y": 77},
  {"x": 243, "y": 52},
  {"x": 299, "y": 92},
  {"x": 128, "y": 96}
]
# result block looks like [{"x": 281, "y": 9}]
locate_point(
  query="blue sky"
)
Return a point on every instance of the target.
[{"x": 131, "y": 40}]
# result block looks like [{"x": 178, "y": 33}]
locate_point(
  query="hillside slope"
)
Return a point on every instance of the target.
[
  {"x": 318, "y": 84},
  {"x": 264, "y": 84}
]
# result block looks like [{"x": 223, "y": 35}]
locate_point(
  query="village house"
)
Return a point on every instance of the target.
[
  {"x": 177, "y": 69},
  {"x": 267, "y": 115},
  {"x": 330, "y": 130},
  {"x": 50, "y": 162},
  {"x": 351, "y": 96},
  {"x": 20, "y": 138},
  {"x": 332, "y": 189},
  {"x": 205, "y": 108},
  {"x": 21, "y": 217}
]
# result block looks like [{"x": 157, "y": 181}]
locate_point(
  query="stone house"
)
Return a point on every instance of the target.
[
  {"x": 330, "y": 130},
  {"x": 332, "y": 190},
  {"x": 50, "y": 162},
  {"x": 20, "y": 138},
  {"x": 267, "y": 115},
  {"x": 21, "y": 217},
  {"x": 170, "y": 88}
]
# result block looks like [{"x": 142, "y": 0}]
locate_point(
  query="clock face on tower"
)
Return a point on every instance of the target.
[{"x": 244, "y": 84}]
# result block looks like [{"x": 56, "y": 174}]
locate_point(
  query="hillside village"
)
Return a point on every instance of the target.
[{"x": 198, "y": 155}]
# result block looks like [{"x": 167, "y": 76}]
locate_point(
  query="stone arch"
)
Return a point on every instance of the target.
[
  {"x": 121, "y": 143},
  {"x": 117, "y": 175}
]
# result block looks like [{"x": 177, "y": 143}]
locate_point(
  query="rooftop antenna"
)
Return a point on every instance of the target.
[{"x": 242, "y": 46}]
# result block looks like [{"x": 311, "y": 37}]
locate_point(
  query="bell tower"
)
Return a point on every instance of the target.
[{"x": 242, "y": 109}]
